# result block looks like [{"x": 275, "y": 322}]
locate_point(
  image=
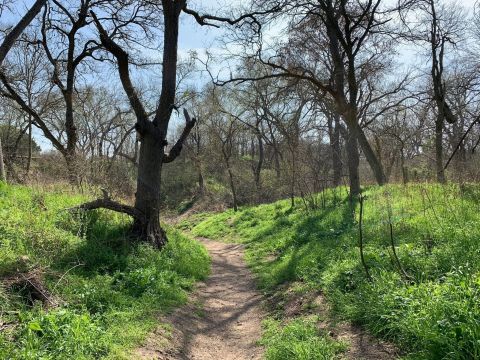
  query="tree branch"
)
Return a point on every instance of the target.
[
  {"x": 107, "y": 203},
  {"x": 204, "y": 19},
  {"x": 177, "y": 148},
  {"x": 13, "y": 35},
  {"x": 123, "y": 70}
]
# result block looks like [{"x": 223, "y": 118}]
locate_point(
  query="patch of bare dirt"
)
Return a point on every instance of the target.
[{"x": 223, "y": 319}]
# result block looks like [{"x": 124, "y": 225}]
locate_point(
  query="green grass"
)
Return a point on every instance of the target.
[
  {"x": 299, "y": 339},
  {"x": 111, "y": 289},
  {"x": 435, "y": 314}
]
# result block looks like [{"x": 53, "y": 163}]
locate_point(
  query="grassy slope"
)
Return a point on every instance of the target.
[
  {"x": 434, "y": 316},
  {"x": 111, "y": 290}
]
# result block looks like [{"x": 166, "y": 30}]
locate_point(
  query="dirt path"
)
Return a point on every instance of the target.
[{"x": 223, "y": 319}]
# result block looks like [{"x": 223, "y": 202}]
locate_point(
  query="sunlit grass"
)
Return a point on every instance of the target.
[{"x": 434, "y": 314}]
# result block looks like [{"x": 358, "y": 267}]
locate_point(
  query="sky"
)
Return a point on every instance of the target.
[{"x": 192, "y": 36}]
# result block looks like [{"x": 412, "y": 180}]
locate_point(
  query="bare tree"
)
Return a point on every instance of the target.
[
  {"x": 153, "y": 132},
  {"x": 346, "y": 29}
]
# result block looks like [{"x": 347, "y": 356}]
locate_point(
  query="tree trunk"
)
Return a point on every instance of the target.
[
  {"x": 334, "y": 137},
  {"x": 258, "y": 167},
  {"x": 353, "y": 160},
  {"x": 404, "y": 168},
  {"x": 372, "y": 159},
  {"x": 30, "y": 144},
  {"x": 201, "y": 181},
  {"x": 439, "y": 149},
  {"x": 3, "y": 175},
  {"x": 153, "y": 133},
  {"x": 294, "y": 177},
  {"x": 276, "y": 160},
  {"x": 232, "y": 185},
  {"x": 147, "y": 199},
  {"x": 72, "y": 168}
]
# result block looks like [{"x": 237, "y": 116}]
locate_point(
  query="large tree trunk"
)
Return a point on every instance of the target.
[
  {"x": 3, "y": 175},
  {"x": 72, "y": 168},
  {"x": 439, "y": 149},
  {"x": 353, "y": 160},
  {"x": 147, "y": 200},
  {"x": 153, "y": 133}
]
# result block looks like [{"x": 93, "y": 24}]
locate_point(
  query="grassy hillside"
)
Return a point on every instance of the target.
[
  {"x": 108, "y": 290},
  {"x": 431, "y": 312}
]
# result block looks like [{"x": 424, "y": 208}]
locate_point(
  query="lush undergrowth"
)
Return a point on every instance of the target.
[
  {"x": 109, "y": 289},
  {"x": 429, "y": 305}
]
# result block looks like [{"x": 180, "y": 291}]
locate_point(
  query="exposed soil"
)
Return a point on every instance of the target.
[{"x": 222, "y": 321}]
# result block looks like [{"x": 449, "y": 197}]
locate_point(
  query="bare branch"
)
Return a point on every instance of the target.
[
  {"x": 123, "y": 70},
  {"x": 177, "y": 148},
  {"x": 245, "y": 18},
  {"x": 13, "y": 35}
]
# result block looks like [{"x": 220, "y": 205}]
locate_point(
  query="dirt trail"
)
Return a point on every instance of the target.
[{"x": 223, "y": 319}]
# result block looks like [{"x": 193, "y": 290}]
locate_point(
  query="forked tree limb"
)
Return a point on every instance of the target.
[
  {"x": 177, "y": 148},
  {"x": 109, "y": 204}
]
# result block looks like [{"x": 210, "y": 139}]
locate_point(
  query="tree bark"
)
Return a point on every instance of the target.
[
  {"x": 30, "y": 144},
  {"x": 13, "y": 35},
  {"x": 152, "y": 133},
  {"x": 353, "y": 160},
  {"x": 147, "y": 199}
]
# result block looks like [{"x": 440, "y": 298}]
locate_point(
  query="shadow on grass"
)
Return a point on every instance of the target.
[
  {"x": 104, "y": 249},
  {"x": 298, "y": 248}
]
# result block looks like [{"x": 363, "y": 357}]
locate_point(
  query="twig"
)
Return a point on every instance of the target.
[{"x": 65, "y": 273}]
